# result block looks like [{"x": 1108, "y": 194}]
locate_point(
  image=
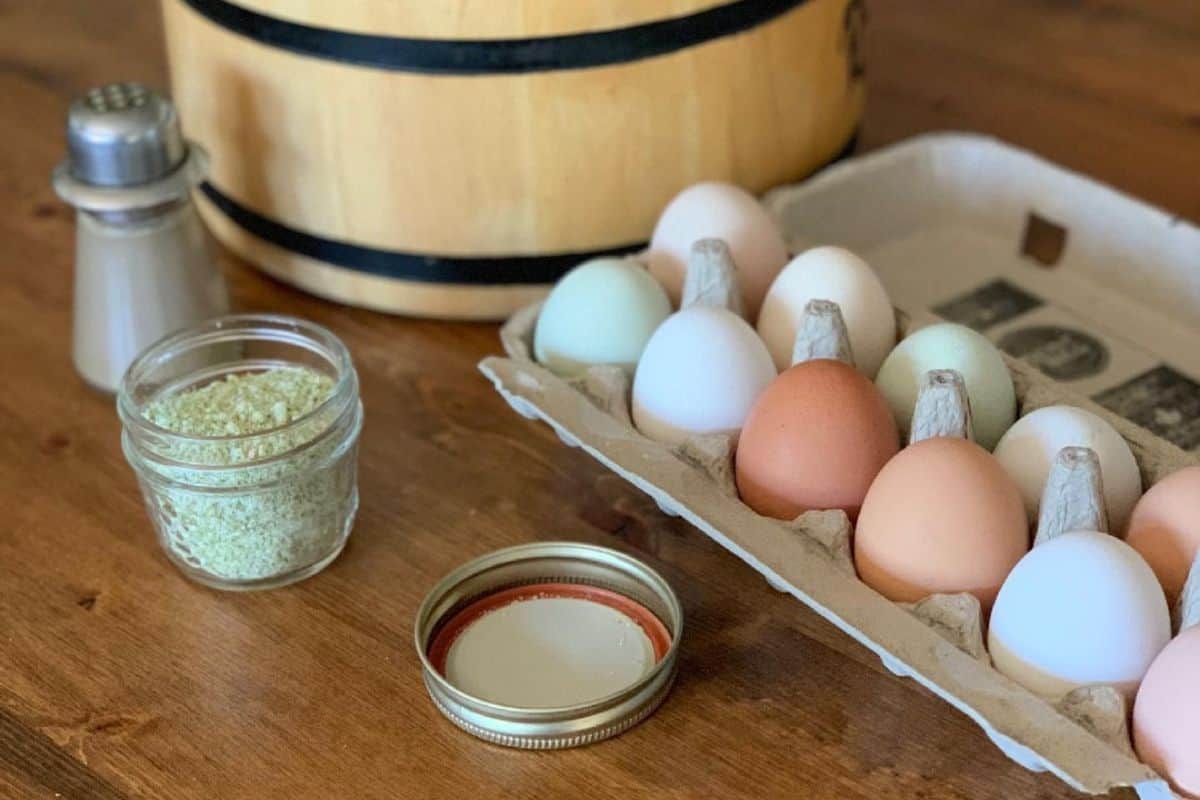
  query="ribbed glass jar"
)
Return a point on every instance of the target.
[{"x": 250, "y": 511}]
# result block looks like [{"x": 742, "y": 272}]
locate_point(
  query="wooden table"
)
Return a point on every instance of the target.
[{"x": 120, "y": 679}]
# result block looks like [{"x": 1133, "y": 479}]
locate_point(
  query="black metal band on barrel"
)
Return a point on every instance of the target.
[
  {"x": 488, "y": 270},
  {"x": 422, "y": 267},
  {"x": 497, "y": 56}
]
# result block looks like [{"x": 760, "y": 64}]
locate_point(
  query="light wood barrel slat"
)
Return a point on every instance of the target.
[{"x": 546, "y": 161}]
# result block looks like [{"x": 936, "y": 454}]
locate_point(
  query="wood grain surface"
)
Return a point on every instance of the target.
[{"x": 119, "y": 679}]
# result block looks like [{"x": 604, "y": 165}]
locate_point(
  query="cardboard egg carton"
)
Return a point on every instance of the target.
[{"x": 916, "y": 204}]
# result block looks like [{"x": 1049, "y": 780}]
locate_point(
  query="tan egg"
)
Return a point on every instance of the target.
[
  {"x": 942, "y": 517},
  {"x": 1165, "y": 528},
  {"x": 815, "y": 439},
  {"x": 721, "y": 211}
]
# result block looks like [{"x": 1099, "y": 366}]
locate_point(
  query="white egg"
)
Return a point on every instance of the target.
[
  {"x": 1082, "y": 609},
  {"x": 836, "y": 274},
  {"x": 700, "y": 373},
  {"x": 1030, "y": 446}
]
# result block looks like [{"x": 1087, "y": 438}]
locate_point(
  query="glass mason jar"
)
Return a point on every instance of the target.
[{"x": 250, "y": 511}]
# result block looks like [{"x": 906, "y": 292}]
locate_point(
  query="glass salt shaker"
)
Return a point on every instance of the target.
[{"x": 144, "y": 262}]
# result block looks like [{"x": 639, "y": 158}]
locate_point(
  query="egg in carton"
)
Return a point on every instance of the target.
[{"x": 1082, "y": 737}]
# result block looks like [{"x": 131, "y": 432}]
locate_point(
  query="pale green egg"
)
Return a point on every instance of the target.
[
  {"x": 949, "y": 346},
  {"x": 601, "y": 312}
]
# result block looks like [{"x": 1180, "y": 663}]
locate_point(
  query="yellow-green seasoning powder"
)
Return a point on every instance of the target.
[
  {"x": 246, "y": 499},
  {"x": 242, "y": 404}
]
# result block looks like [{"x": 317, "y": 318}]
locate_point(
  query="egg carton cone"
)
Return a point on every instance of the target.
[
  {"x": 1073, "y": 499},
  {"x": 822, "y": 334},
  {"x": 711, "y": 278},
  {"x": 942, "y": 407},
  {"x": 919, "y": 204}
]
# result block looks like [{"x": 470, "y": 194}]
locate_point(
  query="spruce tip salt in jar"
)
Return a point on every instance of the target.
[{"x": 243, "y": 432}]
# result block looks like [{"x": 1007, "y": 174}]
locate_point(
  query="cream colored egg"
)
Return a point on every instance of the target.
[
  {"x": 1030, "y": 446},
  {"x": 836, "y": 274}
]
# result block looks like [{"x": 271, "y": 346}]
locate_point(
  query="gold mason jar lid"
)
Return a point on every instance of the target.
[{"x": 556, "y": 570}]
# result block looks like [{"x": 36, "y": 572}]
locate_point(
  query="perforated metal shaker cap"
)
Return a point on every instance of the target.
[{"x": 123, "y": 134}]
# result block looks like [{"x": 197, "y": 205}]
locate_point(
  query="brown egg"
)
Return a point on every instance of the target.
[
  {"x": 815, "y": 439},
  {"x": 942, "y": 516}
]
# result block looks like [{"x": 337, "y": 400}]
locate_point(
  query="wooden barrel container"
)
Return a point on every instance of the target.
[{"x": 452, "y": 158}]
